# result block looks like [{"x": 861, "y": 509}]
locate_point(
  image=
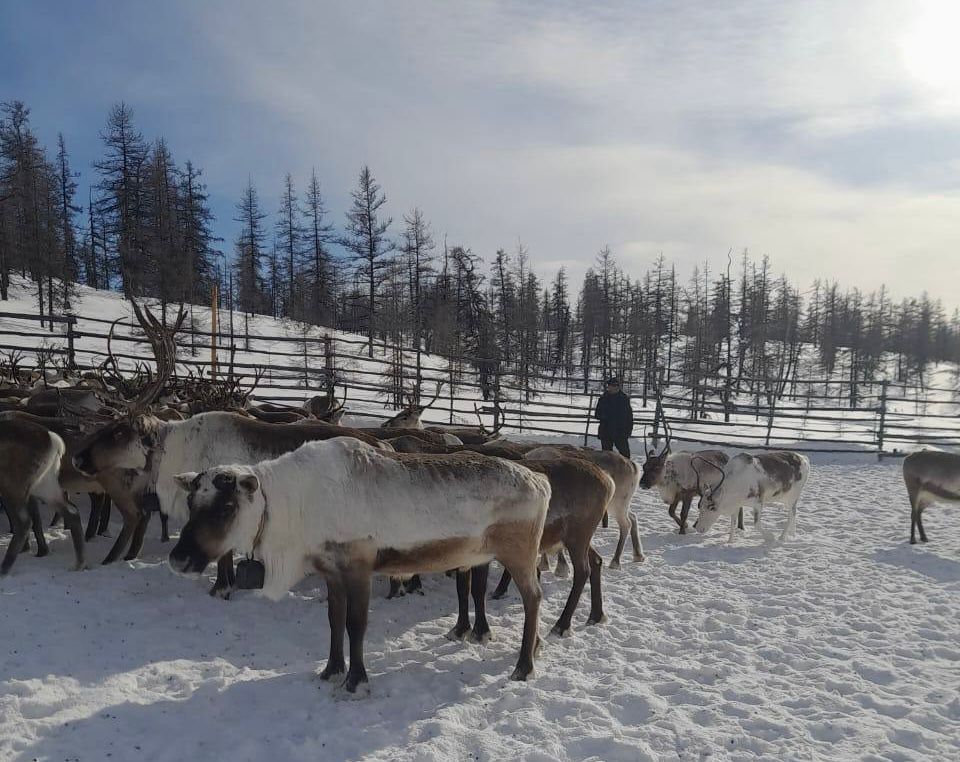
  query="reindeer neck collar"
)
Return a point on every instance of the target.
[{"x": 261, "y": 528}]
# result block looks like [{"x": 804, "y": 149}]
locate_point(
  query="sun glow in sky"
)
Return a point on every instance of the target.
[{"x": 931, "y": 50}]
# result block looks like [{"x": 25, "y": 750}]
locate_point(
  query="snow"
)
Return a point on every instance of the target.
[{"x": 841, "y": 643}]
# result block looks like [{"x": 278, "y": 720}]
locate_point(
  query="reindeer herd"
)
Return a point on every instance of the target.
[{"x": 310, "y": 495}]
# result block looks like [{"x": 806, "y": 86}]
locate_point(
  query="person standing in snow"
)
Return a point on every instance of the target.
[{"x": 616, "y": 418}]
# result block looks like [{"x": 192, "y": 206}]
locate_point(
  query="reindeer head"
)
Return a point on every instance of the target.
[
  {"x": 325, "y": 407},
  {"x": 656, "y": 463},
  {"x": 226, "y": 511},
  {"x": 710, "y": 495},
  {"x": 127, "y": 444},
  {"x": 409, "y": 416}
]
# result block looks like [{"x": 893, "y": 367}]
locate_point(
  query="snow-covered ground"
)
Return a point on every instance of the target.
[{"x": 842, "y": 643}]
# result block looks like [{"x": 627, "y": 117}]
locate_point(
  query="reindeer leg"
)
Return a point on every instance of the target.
[
  {"x": 55, "y": 521},
  {"x": 104, "y": 528},
  {"x": 605, "y": 521},
  {"x": 395, "y": 588},
  {"x": 635, "y": 539},
  {"x": 72, "y": 521},
  {"x": 913, "y": 491},
  {"x": 740, "y": 519},
  {"x": 481, "y": 628},
  {"x": 624, "y": 522},
  {"x": 358, "y": 604},
  {"x": 337, "y": 617},
  {"x": 94, "y": 519},
  {"x": 226, "y": 581},
  {"x": 923, "y": 535},
  {"x": 131, "y": 519},
  {"x": 33, "y": 510},
  {"x": 523, "y": 572},
  {"x": 164, "y": 527},
  {"x": 596, "y": 598},
  {"x": 562, "y": 569},
  {"x": 20, "y": 519},
  {"x": 413, "y": 585},
  {"x": 672, "y": 510},
  {"x": 462, "y": 627},
  {"x": 136, "y": 543},
  {"x": 684, "y": 512},
  {"x": 580, "y": 558},
  {"x": 502, "y": 586}
]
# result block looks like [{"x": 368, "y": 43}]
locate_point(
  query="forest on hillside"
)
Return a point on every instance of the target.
[{"x": 146, "y": 229}]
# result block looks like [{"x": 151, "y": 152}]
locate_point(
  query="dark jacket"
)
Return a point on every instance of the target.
[{"x": 615, "y": 415}]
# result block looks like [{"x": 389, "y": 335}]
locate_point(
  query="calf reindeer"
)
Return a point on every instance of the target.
[
  {"x": 930, "y": 477},
  {"x": 31, "y": 458},
  {"x": 349, "y": 511},
  {"x": 754, "y": 480}
]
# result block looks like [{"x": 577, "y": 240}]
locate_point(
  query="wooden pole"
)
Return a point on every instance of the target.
[{"x": 214, "y": 298}]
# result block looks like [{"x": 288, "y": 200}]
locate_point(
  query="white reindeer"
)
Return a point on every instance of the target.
[
  {"x": 349, "y": 510},
  {"x": 754, "y": 480}
]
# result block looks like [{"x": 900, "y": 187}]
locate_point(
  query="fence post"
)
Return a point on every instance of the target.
[
  {"x": 883, "y": 418},
  {"x": 328, "y": 356},
  {"x": 450, "y": 373},
  {"x": 71, "y": 357},
  {"x": 586, "y": 428}
]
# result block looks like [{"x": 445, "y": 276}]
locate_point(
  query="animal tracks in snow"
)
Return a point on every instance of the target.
[{"x": 840, "y": 643}]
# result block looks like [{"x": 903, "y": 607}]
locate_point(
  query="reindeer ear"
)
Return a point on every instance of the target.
[
  {"x": 185, "y": 481},
  {"x": 249, "y": 483}
]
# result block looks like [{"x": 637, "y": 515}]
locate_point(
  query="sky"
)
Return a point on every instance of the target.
[{"x": 825, "y": 135}]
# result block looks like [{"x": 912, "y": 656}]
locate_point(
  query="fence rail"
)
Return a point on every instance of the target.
[{"x": 294, "y": 366}]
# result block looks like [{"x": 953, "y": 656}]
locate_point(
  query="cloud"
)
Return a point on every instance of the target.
[{"x": 799, "y": 130}]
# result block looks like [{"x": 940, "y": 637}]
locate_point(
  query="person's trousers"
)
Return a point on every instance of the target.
[{"x": 621, "y": 442}]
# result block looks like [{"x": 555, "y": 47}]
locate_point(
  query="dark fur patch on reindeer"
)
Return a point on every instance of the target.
[{"x": 783, "y": 467}]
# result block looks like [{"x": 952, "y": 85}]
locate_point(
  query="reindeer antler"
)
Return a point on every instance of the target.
[
  {"x": 164, "y": 352},
  {"x": 498, "y": 418},
  {"x": 723, "y": 474},
  {"x": 435, "y": 397}
]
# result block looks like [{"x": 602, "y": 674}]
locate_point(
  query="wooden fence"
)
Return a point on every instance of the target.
[{"x": 887, "y": 419}]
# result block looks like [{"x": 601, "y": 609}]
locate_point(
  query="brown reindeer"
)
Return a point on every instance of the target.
[
  {"x": 31, "y": 456},
  {"x": 931, "y": 477},
  {"x": 579, "y": 494}
]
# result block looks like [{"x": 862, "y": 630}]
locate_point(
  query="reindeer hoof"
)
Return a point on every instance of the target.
[
  {"x": 479, "y": 638},
  {"x": 601, "y": 620},
  {"x": 497, "y": 595},
  {"x": 458, "y": 633},
  {"x": 560, "y": 632},
  {"x": 639, "y": 558},
  {"x": 80, "y": 566},
  {"x": 223, "y": 593},
  {"x": 614, "y": 564},
  {"x": 520, "y": 674},
  {"x": 331, "y": 673}
]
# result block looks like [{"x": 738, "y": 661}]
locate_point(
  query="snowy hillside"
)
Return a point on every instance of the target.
[{"x": 914, "y": 418}]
